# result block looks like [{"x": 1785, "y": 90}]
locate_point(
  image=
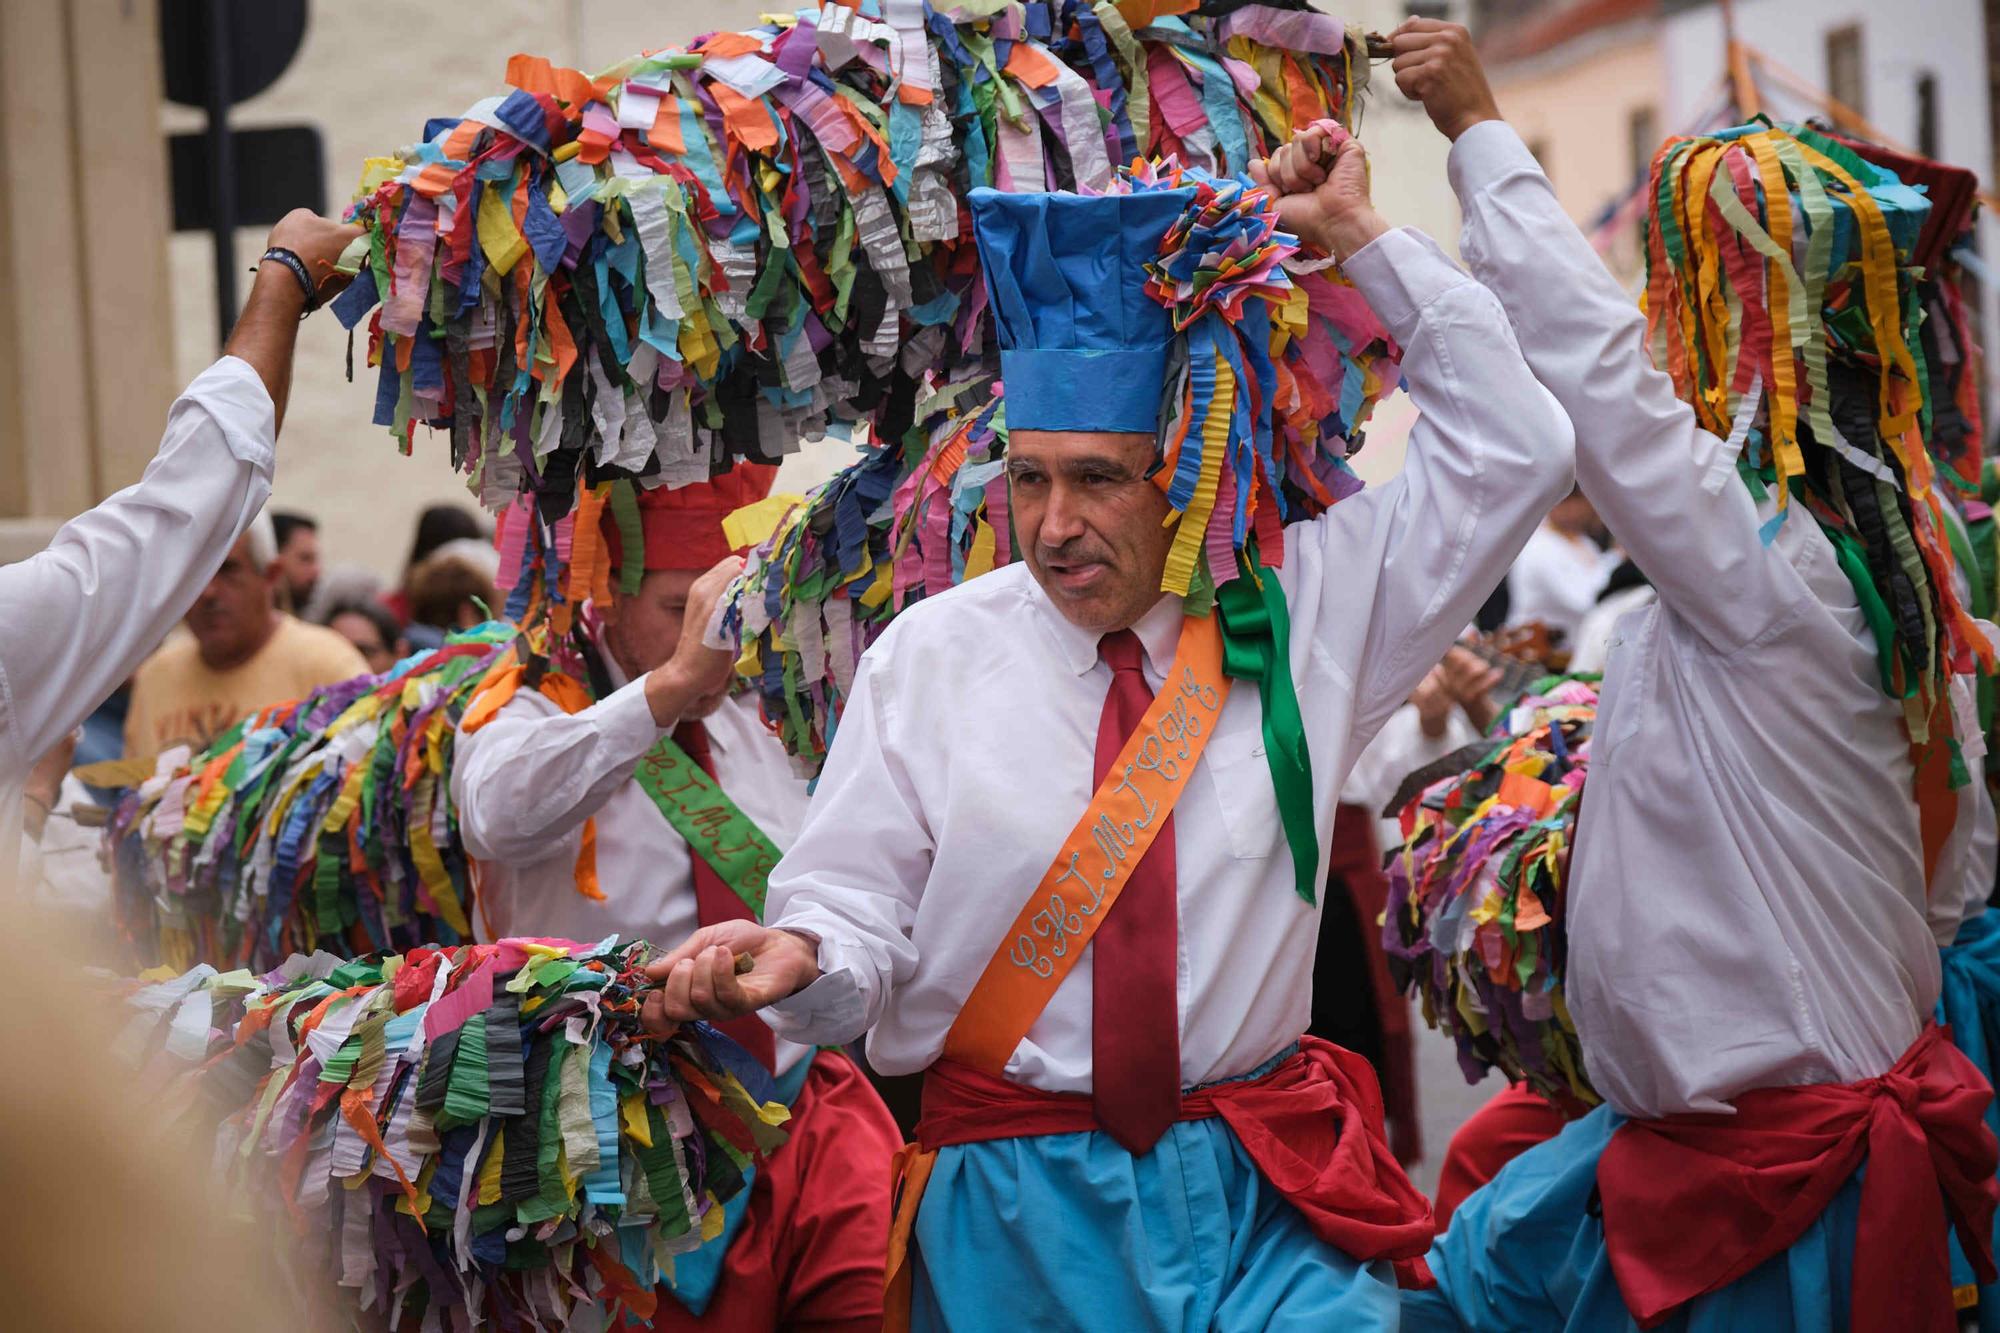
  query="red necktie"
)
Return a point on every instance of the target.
[
  {"x": 1135, "y": 1037},
  {"x": 715, "y": 901}
]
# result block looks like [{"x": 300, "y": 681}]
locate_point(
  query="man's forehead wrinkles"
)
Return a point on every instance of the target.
[{"x": 1078, "y": 458}]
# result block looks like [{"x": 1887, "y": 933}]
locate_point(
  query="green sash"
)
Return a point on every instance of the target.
[{"x": 712, "y": 825}]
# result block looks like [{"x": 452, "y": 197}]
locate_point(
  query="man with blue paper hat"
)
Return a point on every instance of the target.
[
  {"x": 1064, "y": 854},
  {"x": 1788, "y": 1141}
]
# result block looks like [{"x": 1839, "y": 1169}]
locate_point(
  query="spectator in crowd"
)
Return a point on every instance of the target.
[
  {"x": 1626, "y": 591},
  {"x": 373, "y": 632},
  {"x": 241, "y": 653},
  {"x": 343, "y": 585},
  {"x": 437, "y": 525},
  {"x": 1556, "y": 578},
  {"x": 298, "y": 556},
  {"x": 450, "y": 589},
  {"x": 76, "y": 617}
]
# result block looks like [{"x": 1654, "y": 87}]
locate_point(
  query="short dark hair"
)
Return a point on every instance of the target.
[
  {"x": 374, "y": 613},
  {"x": 437, "y": 525},
  {"x": 285, "y": 522}
]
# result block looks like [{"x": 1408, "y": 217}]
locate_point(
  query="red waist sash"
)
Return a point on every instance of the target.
[
  {"x": 1694, "y": 1202},
  {"x": 1312, "y": 1126}
]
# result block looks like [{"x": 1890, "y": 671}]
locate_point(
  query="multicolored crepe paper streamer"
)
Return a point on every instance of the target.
[
  {"x": 1478, "y": 893},
  {"x": 902, "y": 523},
  {"x": 466, "y": 1135},
  {"x": 1947, "y": 355},
  {"x": 321, "y": 824},
  {"x": 1278, "y": 377},
  {"x": 1782, "y": 300},
  {"x": 704, "y": 255},
  {"x": 1279, "y": 373}
]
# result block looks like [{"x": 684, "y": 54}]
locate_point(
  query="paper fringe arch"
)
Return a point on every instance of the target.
[
  {"x": 322, "y": 824},
  {"x": 705, "y": 255},
  {"x": 1479, "y": 894},
  {"x": 329, "y": 823},
  {"x": 404, "y": 1114}
]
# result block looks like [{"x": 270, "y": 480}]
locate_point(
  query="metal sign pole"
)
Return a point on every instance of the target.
[{"x": 221, "y": 168}]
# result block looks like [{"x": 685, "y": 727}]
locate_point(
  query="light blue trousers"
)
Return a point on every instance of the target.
[
  {"x": 1970, "y": 1006},
  {"x": 1526, "y": 1254},
  {"x": 1070, "y": 1231}
]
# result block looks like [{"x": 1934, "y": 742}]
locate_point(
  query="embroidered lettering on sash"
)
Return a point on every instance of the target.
[{"x": 712, "y": 825}]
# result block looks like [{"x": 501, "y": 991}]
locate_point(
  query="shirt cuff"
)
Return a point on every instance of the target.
[
  {"x": 1399, "y": 273},
  {"x": 235, "y": 399},
  {"x": 832, "y": 1004},
  {"x": 625, "y": 721},
  {"x": 1485, "y": 155}
]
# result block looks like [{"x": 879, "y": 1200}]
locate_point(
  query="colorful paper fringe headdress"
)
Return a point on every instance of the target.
[
  {"x": 601, "y": 550},
  {"x": 1781, "y": 299},
  {"x": 706, "y": 255},
  {"x": 463, "y": 1135},
  {"x": 1173, "y": 290},
  {"x": 1476, "y": 924},
  {"x": 322, "y": 824},
  {"x": 1267, "y": 376}
]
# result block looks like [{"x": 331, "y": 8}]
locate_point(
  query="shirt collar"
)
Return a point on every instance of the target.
[{"x": 1159, "y": 632}]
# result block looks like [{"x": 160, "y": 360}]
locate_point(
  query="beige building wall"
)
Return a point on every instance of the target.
[
  {"x": 1576, "y": 107},
  {"x": 84, "y": 317}
]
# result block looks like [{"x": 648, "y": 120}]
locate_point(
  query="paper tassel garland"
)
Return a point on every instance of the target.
[
  {"x": 1478, "y": 894},
  {"x": 322, "y": 824},
  {"x": 464, "y": 1136},
  {"x": 706, "y": 255}
]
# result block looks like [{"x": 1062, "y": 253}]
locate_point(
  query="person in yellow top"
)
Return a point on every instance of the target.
[{"x": 240, "y": 653}]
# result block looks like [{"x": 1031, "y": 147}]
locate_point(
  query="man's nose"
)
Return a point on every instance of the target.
[{"x": 1062, "y": 520}]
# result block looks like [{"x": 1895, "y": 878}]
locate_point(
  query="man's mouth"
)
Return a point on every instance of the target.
[{"x": 1075, "y": 576}]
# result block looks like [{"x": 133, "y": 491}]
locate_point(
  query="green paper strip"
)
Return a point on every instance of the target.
[
  {"x": 465, "y": 1099},
  {"x": 1256, "y": 645}
]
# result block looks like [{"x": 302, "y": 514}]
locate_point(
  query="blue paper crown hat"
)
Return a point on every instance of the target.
[{"x": 1082, "y": 344}]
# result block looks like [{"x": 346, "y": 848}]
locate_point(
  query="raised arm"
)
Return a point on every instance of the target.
[
  {"x": 530, "y": 775},
  {"x": 525, "y": 782},
  {"x": 1490, "y": 452},
  {"x": 268, "y": 329},
  {"x": 77, "y": 617},
  {"x": 1641, "y": 458}
]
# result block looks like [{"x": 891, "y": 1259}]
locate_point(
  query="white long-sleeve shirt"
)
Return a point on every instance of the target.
[
  {"x": 526, "y": 782},
  {"x": 964, "y": 756},
  {"x": 1748, "y": 896},
  {"x": 78, "y": 617}
]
